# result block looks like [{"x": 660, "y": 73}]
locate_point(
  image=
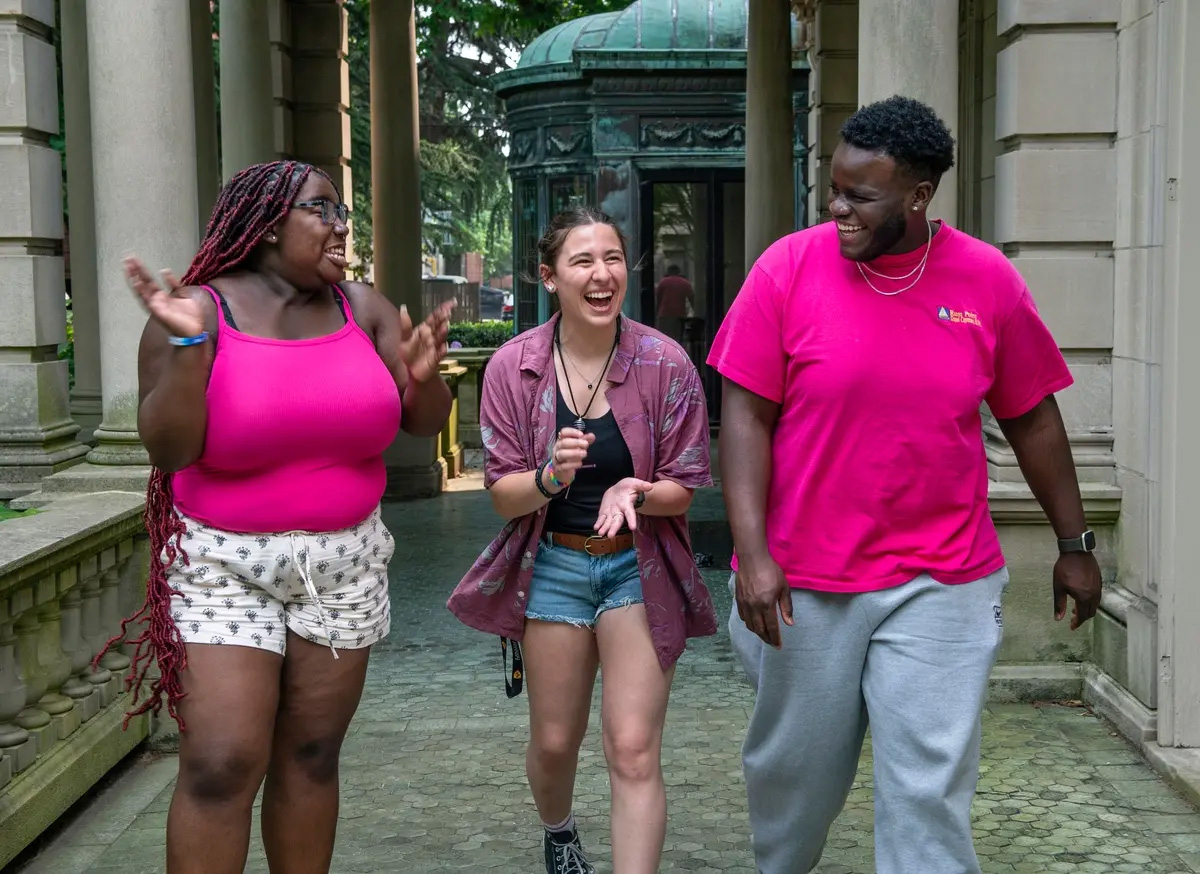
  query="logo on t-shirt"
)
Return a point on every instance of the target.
[{"x": 964, "y": 317}]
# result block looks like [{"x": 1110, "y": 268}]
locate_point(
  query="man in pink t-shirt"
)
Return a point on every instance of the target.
[{"x": 855, "y": 361}]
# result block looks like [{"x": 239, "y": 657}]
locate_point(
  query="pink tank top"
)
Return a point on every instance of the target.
[{"x": 296, "y": 432}]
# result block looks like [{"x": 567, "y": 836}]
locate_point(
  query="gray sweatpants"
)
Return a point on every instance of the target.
[{"x": 914, "y": 661}]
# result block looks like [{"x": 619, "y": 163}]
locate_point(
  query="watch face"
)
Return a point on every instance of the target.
[{"x": 1089, "y": 540}]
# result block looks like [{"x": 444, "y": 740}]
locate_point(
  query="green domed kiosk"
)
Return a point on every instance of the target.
[{"x": 642, "y": 111}]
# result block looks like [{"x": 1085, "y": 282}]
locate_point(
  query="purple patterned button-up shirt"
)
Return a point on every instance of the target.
[{"x": 658, "y": 402}]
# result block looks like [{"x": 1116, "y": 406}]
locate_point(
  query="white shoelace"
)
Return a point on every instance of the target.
[
  {"x": 571, "y": 859},
  {"x": 310, "y": 587}
]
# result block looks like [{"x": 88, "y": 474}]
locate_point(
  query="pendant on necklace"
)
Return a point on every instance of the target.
[
  {"x": 580, "y": 425},
  {"x": 589, "y": 386}
]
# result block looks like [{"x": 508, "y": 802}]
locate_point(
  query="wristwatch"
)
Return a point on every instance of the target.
[{"x": 1085, "y": 542}]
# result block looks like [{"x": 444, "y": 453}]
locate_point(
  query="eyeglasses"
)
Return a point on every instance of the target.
[{"x": 329, "y": 209}]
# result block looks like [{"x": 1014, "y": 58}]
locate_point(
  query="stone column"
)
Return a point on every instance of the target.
[
  {"x": 1178, "y": 411},
  {"x": 37, "y": 435},
  {"x": 279, "y": 23},
  {"x": 395, "y": 154},
  {"x": 86, "y": 404},
  {"x": 911, "y": 49},
  {"x": 247, "y": 98},
  {"x": 321, "y": 87},
  {"x": 833, "y": 87},
  {"x": 144, "y": 155},
  {"x": 415, "y": 466},
  {"x": 208, "y": 163},
  {"x": 769, "y": 122}
]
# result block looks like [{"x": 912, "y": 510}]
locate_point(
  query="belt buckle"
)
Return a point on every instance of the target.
[{"x": 587, "y": 545}]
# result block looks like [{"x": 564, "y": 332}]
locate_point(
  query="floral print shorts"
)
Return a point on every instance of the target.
[{"x": 250, "y": 589}]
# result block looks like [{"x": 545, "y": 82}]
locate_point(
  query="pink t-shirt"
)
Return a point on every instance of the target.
[{"x": 878, "y": 467}]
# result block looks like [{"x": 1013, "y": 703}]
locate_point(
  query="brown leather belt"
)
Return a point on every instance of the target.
[{"x": 594, "y": 545}]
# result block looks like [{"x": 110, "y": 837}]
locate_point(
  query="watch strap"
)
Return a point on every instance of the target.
[{"x": 1085, "y": 542}]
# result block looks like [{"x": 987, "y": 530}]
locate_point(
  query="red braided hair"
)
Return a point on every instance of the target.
[{"x": 251, "y": 203}]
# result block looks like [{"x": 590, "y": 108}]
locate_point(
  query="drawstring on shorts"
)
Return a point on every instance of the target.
[{"x": 305, "y": 571}]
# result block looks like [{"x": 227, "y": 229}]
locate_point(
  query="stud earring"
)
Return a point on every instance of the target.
[
  {"x": 915, "y": 208},
  {"x": 271, "y": 238}
]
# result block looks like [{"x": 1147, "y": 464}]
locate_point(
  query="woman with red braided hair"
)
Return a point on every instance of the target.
[{"x": 269, "y": 388}]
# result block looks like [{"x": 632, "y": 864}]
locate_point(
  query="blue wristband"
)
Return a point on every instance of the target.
[{"x": 188, "y": 341}]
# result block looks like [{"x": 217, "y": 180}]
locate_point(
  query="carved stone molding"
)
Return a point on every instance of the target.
[
  {"x": 671, "y": 84},
  {"x": 692, "y": 134},
  {"x": 568, "y": 142},
  {"x": 524, "y": 147}
]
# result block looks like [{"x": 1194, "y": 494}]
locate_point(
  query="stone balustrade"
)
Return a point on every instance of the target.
[
  {"x": 470, "y": 389},
  {"x": 68, "y": 575}
]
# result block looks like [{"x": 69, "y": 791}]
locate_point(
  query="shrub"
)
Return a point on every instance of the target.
[
  {"x": 66, "y": 351},
  {"x": 480, "y": 335}
]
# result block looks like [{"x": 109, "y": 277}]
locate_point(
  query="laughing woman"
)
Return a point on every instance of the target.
[
  {"x": 596, "y": 434},
  {"x": 269, "y": 388}
]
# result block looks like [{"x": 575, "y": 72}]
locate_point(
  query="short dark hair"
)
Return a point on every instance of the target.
[{"x": 907, "y": 131}]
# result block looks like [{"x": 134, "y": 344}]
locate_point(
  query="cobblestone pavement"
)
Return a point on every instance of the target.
[{"x": 433, "y": 768}]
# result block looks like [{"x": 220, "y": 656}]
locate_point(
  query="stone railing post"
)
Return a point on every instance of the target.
[
  {"x": 470, "y": 392},
  {"x": 451, "y": 446},
  {"x": 53, "y": 662},
  {"x": 95, "y": 634},
  {"x": 32, "y": 718},
  {"x": 131, "y": 576},
  {"x": 75, "y": 646},
  {"x": 17, "y": 748},
  {"x": 111, "y": 612}
]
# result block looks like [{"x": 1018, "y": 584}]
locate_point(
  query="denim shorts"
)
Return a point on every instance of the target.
[{"x": 573, "y": 587}]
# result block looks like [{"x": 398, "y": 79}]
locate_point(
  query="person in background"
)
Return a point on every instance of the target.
[
  {"x": 269, "y": 389},
  {"x": 595, "y": 435},
  {"x": 675, "y": 299},
  {"x": 868, "y": 576}
]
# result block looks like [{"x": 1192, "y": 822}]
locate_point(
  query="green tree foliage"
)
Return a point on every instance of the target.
[{"x": 465, "y": 195}]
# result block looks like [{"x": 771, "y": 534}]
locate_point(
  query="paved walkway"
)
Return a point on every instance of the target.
[{"x": 433, "y": 768}]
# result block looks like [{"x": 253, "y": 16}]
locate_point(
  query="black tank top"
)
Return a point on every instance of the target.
[{"x": 608, "y": 461}]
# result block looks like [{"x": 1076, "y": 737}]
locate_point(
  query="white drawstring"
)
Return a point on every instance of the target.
[{"x": 310, "y": 587}]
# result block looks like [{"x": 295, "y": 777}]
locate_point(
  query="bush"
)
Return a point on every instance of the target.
[
  {"x": 480, "y": 335},
  {"x": 66, "y": 351}
]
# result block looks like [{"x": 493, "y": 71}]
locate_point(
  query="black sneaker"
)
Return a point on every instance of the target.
[{"x": 564, "y": 853}]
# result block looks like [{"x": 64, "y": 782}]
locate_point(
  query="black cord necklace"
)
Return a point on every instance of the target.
[{"x": 581, "y": 416}]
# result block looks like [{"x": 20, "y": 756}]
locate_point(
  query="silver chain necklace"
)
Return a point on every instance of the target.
[{"x": 919, "y": 269}]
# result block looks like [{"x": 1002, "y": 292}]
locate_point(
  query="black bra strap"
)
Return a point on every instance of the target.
[
  {"x": 225, "y": 309},
  {"x": 337, "y": 297},
  {"x": 341, "y": 302}
]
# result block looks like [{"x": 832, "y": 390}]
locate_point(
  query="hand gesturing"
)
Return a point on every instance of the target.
[
  {"x": 424, "y": 346},
  {"x": 180, "y": 316},
  {"x": 618, "y": 507}
]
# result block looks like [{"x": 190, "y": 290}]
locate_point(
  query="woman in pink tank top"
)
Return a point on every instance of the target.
[{"x": 269, "y": 389}]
